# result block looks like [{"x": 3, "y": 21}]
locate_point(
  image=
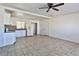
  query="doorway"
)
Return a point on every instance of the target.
[{"x": 35, "y": 29}]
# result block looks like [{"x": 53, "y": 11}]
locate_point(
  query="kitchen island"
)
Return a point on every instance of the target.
[{"x": 9, "y": 38}]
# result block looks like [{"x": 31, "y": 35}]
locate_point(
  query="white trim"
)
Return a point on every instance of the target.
[{"x": 14, "y": 9}]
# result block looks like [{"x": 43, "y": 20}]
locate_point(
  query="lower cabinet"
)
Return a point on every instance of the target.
[
  {"x": 9, "y": 38},
  {"x": 1, "y": 38},
  {"x": 20, "y": 33}
]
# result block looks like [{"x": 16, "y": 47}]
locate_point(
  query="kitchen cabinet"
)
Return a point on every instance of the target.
[
  {"x": 1, "y": 38},
  {"x": 20, "y": 33},
  {"x": 7, "y": 19},
  {"x": 29, "y": 29},
  {"x": 9, "y": 38},
  {"x": 1, "y": 25}
]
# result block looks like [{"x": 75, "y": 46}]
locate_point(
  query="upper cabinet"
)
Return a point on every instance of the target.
[
  {"x": 7, "y": 20},
  {"x": 7, "y": 17}
]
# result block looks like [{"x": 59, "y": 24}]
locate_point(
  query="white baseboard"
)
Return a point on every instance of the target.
[{"x": 70, "y": 40}]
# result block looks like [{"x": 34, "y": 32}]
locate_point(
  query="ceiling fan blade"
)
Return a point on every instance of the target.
[
  {"x": 58, "y": 5},
  {"x": 43, "y": 7},
  {"x": 55, "y": 9},
  {"x": 48, "y": 10}
]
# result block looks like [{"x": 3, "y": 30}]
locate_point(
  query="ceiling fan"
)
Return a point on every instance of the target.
[{"x": 52, "y": 6}]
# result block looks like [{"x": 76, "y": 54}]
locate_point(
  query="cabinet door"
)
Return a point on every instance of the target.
[
  {"x": 30, "y": 30},
  {"x": 7, "y": 19},
  {"x": 1, "y": 25},
  {"x": 23, "y": 33},
  {"x": 20, "y": 33},
  {"x": 9, "y": 38},
  {"x": 1, "y": 38}
]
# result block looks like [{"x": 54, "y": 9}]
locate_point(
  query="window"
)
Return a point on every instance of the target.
[{"x": 20, "y": 25}]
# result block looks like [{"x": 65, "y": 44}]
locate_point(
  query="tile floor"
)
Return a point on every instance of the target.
[{"x": 40, "y": 46}]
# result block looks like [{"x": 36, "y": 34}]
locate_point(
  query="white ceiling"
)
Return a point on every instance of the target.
[{"x": 34, "y": 8}]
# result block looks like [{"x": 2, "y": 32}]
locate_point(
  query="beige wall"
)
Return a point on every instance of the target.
[
  {"x": 44, "y": 24},
  {"x": 65, "y": 27}
]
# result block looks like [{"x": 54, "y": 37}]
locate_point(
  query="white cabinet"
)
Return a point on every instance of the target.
[
  {"x": 30, "y": 30},
  {"x": 1, "y": 41},
  {"x": 9, "y": 38},
  {"x": 1, "y": 25},
  {"x": 1, "y": 38},
  {"x": 7, "y": 19},
  {"x": 20, "y": 33}
]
